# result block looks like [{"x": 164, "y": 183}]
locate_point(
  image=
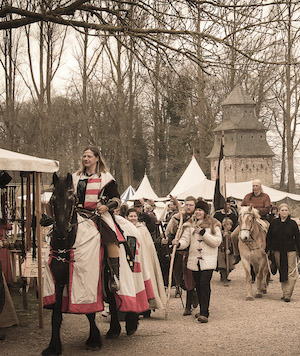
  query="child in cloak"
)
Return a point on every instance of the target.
[{"x": 225, "y": 252}]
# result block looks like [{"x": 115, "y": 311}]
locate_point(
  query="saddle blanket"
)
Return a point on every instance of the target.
[{"x": 83, "y": 294}]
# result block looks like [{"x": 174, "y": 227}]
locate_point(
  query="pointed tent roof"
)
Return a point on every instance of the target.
[
  {"x": 193, "y": 175},
  {"x": 144, "y": 190},
  {"x": 127, "y": 194}
]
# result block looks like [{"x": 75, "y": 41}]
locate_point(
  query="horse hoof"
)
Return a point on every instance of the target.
[
  {"x": 249, "y": 298},
  {"x": 131, "y": 331},
  {"x": 113, "y": 334},
  {"x": 92, "y": 348},
  {"x": 93, "y": 345},
  {"x": 264, "y": 291},
  {"x": 132, "y": 321},
  {"x": 258, "y": 295},
  {"x": 52, "y": 351}
]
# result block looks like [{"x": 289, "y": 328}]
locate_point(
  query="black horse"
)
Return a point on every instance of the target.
[{"x": 65, "y": 224}]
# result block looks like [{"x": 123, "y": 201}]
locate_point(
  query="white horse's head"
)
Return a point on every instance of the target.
[{"x": 247, "y": 217}]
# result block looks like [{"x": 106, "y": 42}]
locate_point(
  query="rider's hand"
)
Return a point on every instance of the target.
[{"x": 102, "y": 209}]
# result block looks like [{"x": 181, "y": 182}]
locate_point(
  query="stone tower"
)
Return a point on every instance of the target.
[{"x": 248, "y": 154}]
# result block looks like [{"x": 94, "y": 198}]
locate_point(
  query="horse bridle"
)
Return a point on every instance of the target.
[
  {"x": 250, "y": 234},
  {"x": 249, "y": 230},
  {"x": 70, "y": 225}
]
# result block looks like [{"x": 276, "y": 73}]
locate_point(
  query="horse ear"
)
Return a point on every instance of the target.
[
  {"x": 251, "y": 207},
  {"x": 70, "y": 179},
  {"x": 54, "y": 178}
]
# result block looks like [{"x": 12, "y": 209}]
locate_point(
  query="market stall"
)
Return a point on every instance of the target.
[{"x": 30, "y": 169}]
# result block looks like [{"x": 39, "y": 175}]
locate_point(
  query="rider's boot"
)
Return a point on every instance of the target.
[{"x": 114, "y": 266}]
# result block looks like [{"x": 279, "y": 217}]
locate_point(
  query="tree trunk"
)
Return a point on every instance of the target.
[
  {"x": 156, "y": 167},
  {"x": 289, "y": 140},
  {"x": 122, "y": 119}
]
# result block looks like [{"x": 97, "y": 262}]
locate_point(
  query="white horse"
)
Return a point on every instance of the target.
[{"x": 252, "y": 244}]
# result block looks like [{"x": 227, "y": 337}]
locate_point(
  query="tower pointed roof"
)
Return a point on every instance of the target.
[
  {"x": 245, "y": 135},
  {"x": 238, "y": 97}
]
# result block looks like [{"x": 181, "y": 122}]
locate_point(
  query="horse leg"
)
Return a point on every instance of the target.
[
  {"x": 258, "y": 272},
  {"x": 247, "y": 267},
  {"x": 262, "y": 280},
  {"x": 115, "y": 327},
  {"x": 55, "y": 347},
  {"x": 94, "y": 342},
  {"x": 132, "y": 321}
]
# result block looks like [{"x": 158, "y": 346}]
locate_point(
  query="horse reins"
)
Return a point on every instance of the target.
[
  {"x": 259, "y": 247},
  {"x": 250, "y": 235}
]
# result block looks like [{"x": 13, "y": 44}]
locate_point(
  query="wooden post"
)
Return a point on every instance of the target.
[
  {"x": 39, "y": 245},
  {"x": 28, "y": 213}
]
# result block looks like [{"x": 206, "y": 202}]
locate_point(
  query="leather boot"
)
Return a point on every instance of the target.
[
  {"x": 114, "y": 267},
  {"x": 188, "y": 304},
  {"x": 195, "y": 301}
]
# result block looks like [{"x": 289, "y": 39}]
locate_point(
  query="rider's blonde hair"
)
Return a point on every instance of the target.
[{"x": 101, "y": 165}]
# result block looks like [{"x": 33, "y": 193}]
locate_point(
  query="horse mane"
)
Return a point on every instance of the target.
[{"x": 249, "y": 209}]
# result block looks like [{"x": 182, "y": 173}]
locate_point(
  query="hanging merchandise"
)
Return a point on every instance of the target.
[{"x": 5, "y": 178}]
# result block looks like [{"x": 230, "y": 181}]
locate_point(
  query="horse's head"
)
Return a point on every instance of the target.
[
  {"x": 247, "y": 218},
  {"x": 63, "y": 203}
]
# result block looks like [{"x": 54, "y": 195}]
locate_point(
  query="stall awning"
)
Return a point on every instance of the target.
[{"x": 13, "y": 161}]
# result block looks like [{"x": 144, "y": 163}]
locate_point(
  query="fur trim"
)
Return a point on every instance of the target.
[{"x": 208, "y": 222}]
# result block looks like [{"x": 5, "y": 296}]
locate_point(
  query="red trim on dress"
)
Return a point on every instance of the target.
[
  {"x": 137, "y": 267},
  {"x": 136, "y": 304},
  {"x": 120, "y": 237},
  {"x": 149, "y": 289}
]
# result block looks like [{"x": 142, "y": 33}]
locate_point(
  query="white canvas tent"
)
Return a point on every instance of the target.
[
  {"x": 128, "y": 193},
  {"x": 144, "y": 191},
  {"x": 193, "y": 182},
  {"x": 191, "y": 177},
  {"x": 13, "y": 161},
  {"x": 237, "y": 190},
  {"x": 45, "y": 197}
]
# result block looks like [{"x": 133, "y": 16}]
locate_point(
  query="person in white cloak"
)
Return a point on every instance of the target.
[{"x": 152, "y": 262}]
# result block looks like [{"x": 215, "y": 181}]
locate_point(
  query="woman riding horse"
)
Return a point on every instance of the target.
[
  {"x": 96, "y": 188},
  {"x": 79, "y": 244}
]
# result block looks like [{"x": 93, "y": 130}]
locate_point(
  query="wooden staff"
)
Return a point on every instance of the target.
[
  {"x": 173, "y": 253},
  {"x": 225, "y": 197}
]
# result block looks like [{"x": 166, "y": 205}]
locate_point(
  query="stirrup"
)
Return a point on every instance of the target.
[{"x": 114, "y": 284}]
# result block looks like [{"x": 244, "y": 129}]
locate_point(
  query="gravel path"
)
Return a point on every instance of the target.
[{"x": 265, "y": 326}]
